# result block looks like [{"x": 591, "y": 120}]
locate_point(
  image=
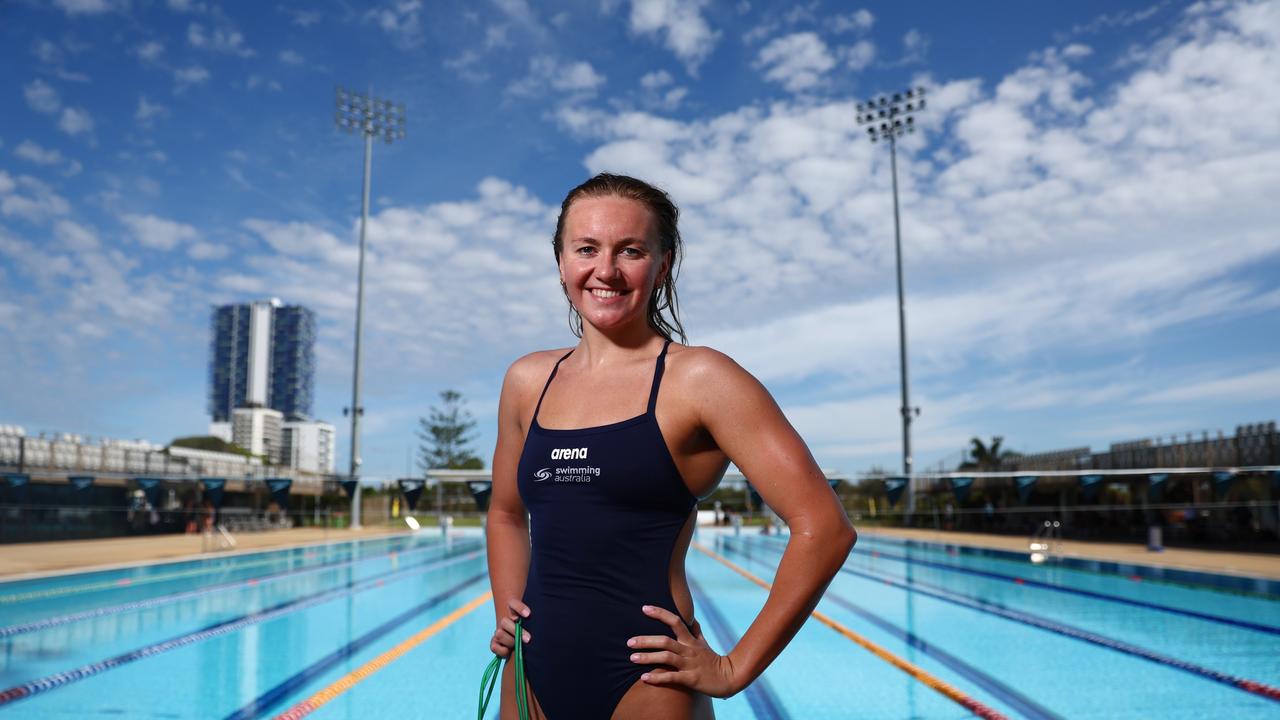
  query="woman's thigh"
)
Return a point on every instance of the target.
[
  {"x": 657, "y": 702},
  {"x": 507, "y": 710}
]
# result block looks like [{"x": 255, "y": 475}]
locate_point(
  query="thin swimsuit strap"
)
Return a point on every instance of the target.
[
  {"x": 660, "y": 365},
  {"x": 550, "y": 377}
]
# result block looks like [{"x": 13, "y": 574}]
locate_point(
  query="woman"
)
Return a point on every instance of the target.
[{"x": 610, "y": 483}]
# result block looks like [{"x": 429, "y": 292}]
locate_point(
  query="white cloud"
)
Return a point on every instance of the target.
[
  {"x": 797, "y": 61},
  {"x": 158, "y": 233},
  {"x": 87, "y": 7},
  {"x": 302, "y": 18},
  {"x": 224, "y": 38},
  {"x": 680, "y": 24},
  {"x": 76, "y": 121},
  {"x": 32, "y": 152},
  {"x": 256, "y": 81},
  {"x": 149, "y": 51},
  {"x": 187, "y": 6},
  {"x": 856, "y": 21},
  {"x": 30, "y": 199},
  {"x": 291, "y": 57},
  {"x": 41, "y": 97},
  {"x": 400, "y": 19},
  {"x": 655, "y": 80},
  {"x": 545, "y": 72},
  {"x": 148, "y": 112},
  {"x": 191, "y": 75},
  {"x": 75, "y": 237},
  {"x": 859, "y": 55},
  {"x": 207, "y": 251}
]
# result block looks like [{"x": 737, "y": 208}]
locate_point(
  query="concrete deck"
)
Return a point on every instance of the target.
[
  {"x": 1251, "y": 565},
  {"x": 32, "y": 559}
]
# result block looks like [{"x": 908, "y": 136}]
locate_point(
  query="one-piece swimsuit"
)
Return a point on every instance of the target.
[{"x": 606, "y": 505}]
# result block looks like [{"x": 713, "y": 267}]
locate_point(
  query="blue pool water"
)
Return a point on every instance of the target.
[{"x": 254, "y": 635}]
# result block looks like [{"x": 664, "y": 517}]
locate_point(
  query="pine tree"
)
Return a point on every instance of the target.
[{"x": 444, "y": 436}]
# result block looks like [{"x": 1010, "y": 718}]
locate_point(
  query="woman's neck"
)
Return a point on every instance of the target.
[{"x": 600, "y": 348}]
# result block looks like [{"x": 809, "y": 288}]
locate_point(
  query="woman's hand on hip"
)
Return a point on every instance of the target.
[
  {"x": 504, "y": 637},
  {"x": 695, "y": 665}
]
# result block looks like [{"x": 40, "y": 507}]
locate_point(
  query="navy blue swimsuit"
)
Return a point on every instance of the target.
[{"x": 606, "y": 507}]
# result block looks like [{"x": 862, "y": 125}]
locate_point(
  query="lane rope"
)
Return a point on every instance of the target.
[
  {"x": 53, "y": 682},
  {"x": 57, "y": 620},
  {"x": 933, "y": 683},
  {"x": 1010, "y": 696},
  {"x": 129, "y": 581},
  {"x": 1250, "y": 686}
]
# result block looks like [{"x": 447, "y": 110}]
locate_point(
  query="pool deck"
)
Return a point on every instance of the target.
[
  {"x": 1256, "y": 565},
  {"x": 19, "y": 560},
  {"x": 28, "y": 559}
]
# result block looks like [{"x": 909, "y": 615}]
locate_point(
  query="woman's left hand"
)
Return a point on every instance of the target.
[{"x": 697, "y": 666}]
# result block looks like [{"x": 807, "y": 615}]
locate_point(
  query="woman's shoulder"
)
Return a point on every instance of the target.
[
  {"x": 698, "y": 364},
  {"x": 531, "y": 370}
]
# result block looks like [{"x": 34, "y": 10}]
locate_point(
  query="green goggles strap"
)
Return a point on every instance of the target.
[{"x": 494, "y": 670}]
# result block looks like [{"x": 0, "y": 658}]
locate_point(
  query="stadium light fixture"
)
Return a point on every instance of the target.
[
  {"x": 374, "y": 118},
  {"x": 888, "y": 118}
]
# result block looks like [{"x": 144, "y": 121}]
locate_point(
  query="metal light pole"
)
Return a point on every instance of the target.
[
  {"x": 372, "y": 117},
  {"x": 888, "y": 117}
]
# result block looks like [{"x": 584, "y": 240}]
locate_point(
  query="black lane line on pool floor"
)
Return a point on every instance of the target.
[
  {"x": 276, "y": 695},
  {"x": 1008, "y": 695},
  {"x": 760, "y": 696},
  {"x": 1029, "y": 582},
  {"x": 109, "y": 585},
  {"x": 53, "y": 682},
  {"x": 1252, "y": 687},
  {"x": 145, "y": 603}
]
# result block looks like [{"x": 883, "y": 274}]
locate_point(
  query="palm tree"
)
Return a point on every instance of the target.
[{"x": 986, "y": 457}]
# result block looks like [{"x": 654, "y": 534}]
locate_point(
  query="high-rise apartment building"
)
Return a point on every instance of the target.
[
  {"x": 262, "y": 354},
  {"x": 308, "y": 445}
]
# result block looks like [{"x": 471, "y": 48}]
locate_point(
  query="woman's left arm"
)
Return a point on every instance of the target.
[{"x": 750, "y": 428}]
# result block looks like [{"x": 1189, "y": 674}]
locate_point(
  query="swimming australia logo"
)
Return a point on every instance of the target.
[
  {"x": 541, "y": 475},
  {"x": 569, "y": 454}
]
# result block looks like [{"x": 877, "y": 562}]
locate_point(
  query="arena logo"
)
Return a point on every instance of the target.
[{"x": 569, "y": 454}]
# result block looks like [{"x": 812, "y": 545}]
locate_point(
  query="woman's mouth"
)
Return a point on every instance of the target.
[{"x": 602, "y": 294}]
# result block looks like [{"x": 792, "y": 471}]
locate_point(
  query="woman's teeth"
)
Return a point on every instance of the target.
[{"x": 605, "y": 293}]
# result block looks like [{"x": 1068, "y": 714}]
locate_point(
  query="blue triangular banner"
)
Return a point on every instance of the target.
[
  {"x": 81, "y": 482},
  {"x": 150, "y": 487},
  {"x": 1275, "y": 481},
  {"x": 350, "y": 487},
  {"x": 1155, "y": 489},
  {"x": 279, "y": 488},
  {"x": 960, "y": 487},
  {"x": 412, "y": 490},
  {"x": 213, "y": 488},
  {"x": 1089, "y": 486},
  {"x": 481, "y": 490},
  {"x": 18, "y": 486},
  {"x": 1025, "y": 485},
  {"x": 894, "y": 487},
  {"x": 757, "y": 502},
  {"x": 1222, "y": 480}
]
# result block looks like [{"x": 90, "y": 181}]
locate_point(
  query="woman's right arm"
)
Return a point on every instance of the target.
[{"x": 507, "y": 530}]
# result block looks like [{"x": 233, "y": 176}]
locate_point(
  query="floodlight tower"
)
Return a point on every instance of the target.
[
  {"x": 372, "y": 117},
  {"x": 889, "y": 117}
]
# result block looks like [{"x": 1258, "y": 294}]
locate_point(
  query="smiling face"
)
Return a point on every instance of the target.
[{"x": 611, "y": 260}]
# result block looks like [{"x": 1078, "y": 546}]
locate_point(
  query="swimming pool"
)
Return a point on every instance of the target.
[{"x": 399, "y": 627}]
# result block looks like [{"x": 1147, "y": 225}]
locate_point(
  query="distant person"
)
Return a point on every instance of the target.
[{"x": 608, "y": 445}]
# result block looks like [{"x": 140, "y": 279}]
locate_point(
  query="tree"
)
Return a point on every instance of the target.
[
  {"x": 986, "y": 457},
  {"x": 445, "y": 434}
]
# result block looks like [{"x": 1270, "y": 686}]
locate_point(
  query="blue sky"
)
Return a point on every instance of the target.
[{"x": 1089, "y": 215}]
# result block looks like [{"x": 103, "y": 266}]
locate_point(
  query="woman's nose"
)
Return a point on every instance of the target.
[{"x": 606, "y": 266}]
